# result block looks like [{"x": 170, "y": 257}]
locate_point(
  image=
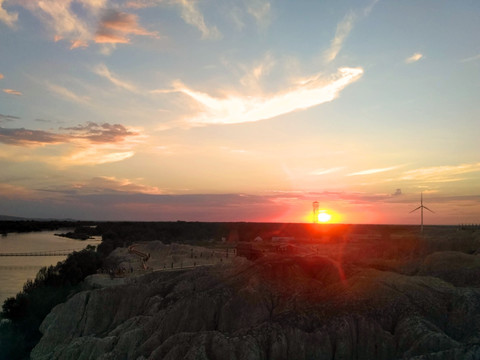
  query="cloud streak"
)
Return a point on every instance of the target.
[
  {"x": 12, "y": 92},
  {"x": 8, "y": 117},
  {"x": 192, "y": 16},
  {"x": 414, "y": 58},
  {"x": 326, "y": 171},
  {"x": 67, "y": 94},
  {"x": 343, "y": 30},
  {"x": 374, "y": 171},
  {"x": 234, "y": 109},
  {"x": 471, "y": 58},
  {"x": 104, "y": 72},
  {"x": 440, "y": 174},
  {"x": 109, "y": 185},
  {"x": 189, "y": 12},
  {"x": 260, "y": 10}
]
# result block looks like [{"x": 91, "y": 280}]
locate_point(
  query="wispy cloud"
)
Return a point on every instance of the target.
[
  {"x": 192, "y": 16},
  {"x": 59, "y": 15},
  {"x": 343, "y": 30},
  {"x": 97, "y": 155},
  {"x": 441, "y": 173},
  {"x": 1, "y": 76},
  {"x": 414, "y": 58},
  {"x": 326, "y": 171},
  {"x": 9, "y": 18},
  {"x": 116, "y": 26},
  {"x": 254, "y": 74},
  {"x": 110, "y": 184},
  {"x": 471, "y": 58},
  {"x": 261, "y": 11},
  {"x": 8, "y": 117},
  {"x": 12, "y": 92},
  {"x": 67, "y": 94},
  {"x": 82, "y": 21},
  {"x": 103, "y": 71},
  {"x": 234, "y": 109},
  {"x": 374, "y": 171}
]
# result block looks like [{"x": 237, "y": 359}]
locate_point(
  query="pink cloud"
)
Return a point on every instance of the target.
[
  {"x": 115, "y": 26},
  {"x": 78, "y": 44},
  {"x": 12, "y": 92}
]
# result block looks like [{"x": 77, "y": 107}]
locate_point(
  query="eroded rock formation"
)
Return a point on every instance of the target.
[{"x": 279, "y": 307}]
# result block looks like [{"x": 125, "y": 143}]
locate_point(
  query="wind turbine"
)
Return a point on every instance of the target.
[{"x": 421, "y": 207}]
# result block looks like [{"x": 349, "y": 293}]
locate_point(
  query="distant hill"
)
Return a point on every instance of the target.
[
  {"x": 13, "y": 218},
  {"x": 17, "y": 218}
]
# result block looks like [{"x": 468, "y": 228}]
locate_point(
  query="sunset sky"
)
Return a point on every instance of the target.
[{"x": 240, "y": 110}]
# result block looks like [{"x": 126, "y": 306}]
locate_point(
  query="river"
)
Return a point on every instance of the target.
[{"x": 16, "y": 270}]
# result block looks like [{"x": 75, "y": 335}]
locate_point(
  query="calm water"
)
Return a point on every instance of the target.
[{"x": 15, "y": 270}]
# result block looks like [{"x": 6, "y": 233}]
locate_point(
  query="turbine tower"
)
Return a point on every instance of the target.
[
  {"x": 315, "y": 212},
  {"x": 421, "y": 207}
]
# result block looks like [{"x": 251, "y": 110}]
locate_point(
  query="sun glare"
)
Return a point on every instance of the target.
[{"x": 324, "y": 217}]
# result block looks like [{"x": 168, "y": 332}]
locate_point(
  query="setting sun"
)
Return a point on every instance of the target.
[{"x": 324, "y": 217}]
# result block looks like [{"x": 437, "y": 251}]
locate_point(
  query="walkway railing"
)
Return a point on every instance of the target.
[{"x": 42, "y": 253}]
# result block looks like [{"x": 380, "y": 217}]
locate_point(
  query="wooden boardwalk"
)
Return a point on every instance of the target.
[{"x": 42, "y": 253}]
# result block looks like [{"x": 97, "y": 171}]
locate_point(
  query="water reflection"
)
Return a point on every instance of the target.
[{"x": 15, "y": 270}]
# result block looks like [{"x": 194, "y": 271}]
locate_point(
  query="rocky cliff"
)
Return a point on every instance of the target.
[{"x": 278, "y": 307}]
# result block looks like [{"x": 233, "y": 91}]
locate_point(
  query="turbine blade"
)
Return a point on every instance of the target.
[
  {"x": 415, "y": 209},
  {"x": 429, "y": 209}
]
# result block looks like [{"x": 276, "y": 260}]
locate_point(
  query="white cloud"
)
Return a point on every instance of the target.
[
  {"x": 253, "y": 75},
  {"x": 8, "y": 18},
  {"x": 67, "y": 94},
  {"x": 234, "y": 108},
  {"x": 96, "y": 155},
  {"x": 471, "y": 58},
  {"x": 326, "y": 171},
  {"x": 414, "y": 58},
  {"x": 343, "y": 29},
  {"x": 373, "y": 171}
]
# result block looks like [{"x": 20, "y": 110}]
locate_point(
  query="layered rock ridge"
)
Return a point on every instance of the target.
[{"x": 278, "y": 307}]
